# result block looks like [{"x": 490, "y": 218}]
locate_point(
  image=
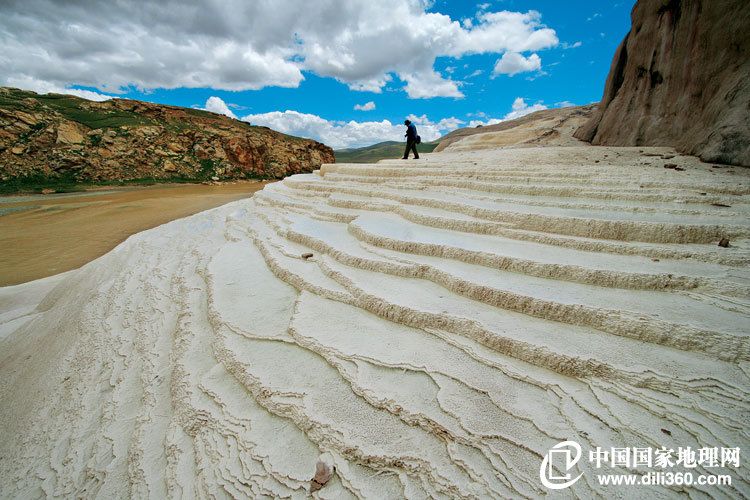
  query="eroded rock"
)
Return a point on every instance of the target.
[{"x": 680, "y": 78}]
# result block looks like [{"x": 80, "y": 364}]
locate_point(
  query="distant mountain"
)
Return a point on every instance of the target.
[
  {"x": 379, "y": 151},
  {"x": 51, "y": 139}
]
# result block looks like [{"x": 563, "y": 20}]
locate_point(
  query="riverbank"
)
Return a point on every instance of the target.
[{"x": 43, "y": 235}]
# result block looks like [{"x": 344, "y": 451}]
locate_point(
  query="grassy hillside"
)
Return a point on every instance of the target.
[
  {"x": 379, "y": 151},
  {"x": 72, "y": 108},
  {"x": 62, "y": 142}
]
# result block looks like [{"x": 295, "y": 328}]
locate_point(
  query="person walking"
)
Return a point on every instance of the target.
[{"x": 412, "y": 139}]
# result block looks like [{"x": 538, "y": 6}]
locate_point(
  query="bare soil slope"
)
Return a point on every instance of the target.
[{"x": 550, "y": 127}]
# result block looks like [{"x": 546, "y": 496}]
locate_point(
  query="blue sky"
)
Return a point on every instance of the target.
[{"x": 436, "y": 62}]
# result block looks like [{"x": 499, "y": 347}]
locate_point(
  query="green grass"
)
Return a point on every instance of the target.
[
  {"x": 70, "y": 108},
  {"x": 68, "y": 184},
  {"x": 73, "y": 108},
  {"x": 201, "y": 113},
  {"x": 36, "y": 183},
  {"x": 380, "y": 151}
]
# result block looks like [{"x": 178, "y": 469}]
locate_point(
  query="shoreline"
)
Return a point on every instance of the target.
[{"x": 45, "y": 235}]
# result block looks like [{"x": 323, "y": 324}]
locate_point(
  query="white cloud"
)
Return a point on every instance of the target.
[
  {"x": 372, "y": 85},
  {"x": 513, "y": 63},
  {"x": 41, "y": 87},
  {"x": 240, "y": 45},
  {"x": 566, "y": 45},
  {"x": 503, "y": 31},
  {"x": 451, "y": 123},
  {"x": 564, "y": 104},
  {"x": 430, "y": 84},
  {"x": 484, "y": 123},
  {"x": 368, "y": 106},
  {"x": 519, "y": 108},
  {"x": 217, "y": 105},
  {"x": 340, "y": 135}
]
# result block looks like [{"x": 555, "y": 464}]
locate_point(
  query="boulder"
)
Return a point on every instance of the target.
[
  {"x": 175, "y": 147},
  {"x": 169, "y": 166},
  {"x": 27, "y": 118},
  {"x": 680, "y": 78},
  {"x": 70, "y": 133}
]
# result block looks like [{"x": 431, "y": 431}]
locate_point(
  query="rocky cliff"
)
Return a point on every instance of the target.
[
  {"x": 680, "y": 78},
  {"x": 64, "y": 137}
]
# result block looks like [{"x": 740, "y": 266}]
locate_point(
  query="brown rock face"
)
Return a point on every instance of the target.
[
  {"x": 69, "y": 133},
  {"x": 63, "y": 137},
  {"x": 681, "y": 78}
]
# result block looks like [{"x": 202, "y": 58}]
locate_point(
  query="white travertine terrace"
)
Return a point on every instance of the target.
[{"x": 459, "y": 316}]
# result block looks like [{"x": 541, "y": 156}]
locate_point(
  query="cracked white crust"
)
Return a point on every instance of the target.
[{"x": 458, "y": 317}]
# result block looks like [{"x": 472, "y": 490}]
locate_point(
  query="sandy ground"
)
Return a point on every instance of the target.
[
  {"x": 43, "y": 235},
  {"x": 432, "y": 327}
]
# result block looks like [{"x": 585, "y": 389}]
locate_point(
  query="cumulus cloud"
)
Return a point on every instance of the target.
[
  {"x": 352, "y": 134},
  {"x": 513, "y": 63},
  {"x": 504, "y": 31},
  {"x": 519, "y": 108},
  {"x": 368, "y": 106},
  {"x": 217, "y": 105},
  {"x": 240, "y": 45},
  {"x": 341, "y": 134},
  {"x": 42, "y": 87},
  {"x": 430, "y": 84},
  {"x": 432, "y": 128}
]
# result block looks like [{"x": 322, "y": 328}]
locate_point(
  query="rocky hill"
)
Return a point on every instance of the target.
[
  {"x": 681, "y": 78},
  {"x": 549, "y": 127},
  {"x": 62, "y": 137}
]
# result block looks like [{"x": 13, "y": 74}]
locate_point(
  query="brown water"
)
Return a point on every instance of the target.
[{"x": 45, "y": 235}]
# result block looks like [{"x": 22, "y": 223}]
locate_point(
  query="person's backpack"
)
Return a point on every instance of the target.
[{"x": 419, "y": 140}]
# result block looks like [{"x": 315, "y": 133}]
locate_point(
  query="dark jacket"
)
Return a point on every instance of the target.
[{"x": 411, "y": 132}]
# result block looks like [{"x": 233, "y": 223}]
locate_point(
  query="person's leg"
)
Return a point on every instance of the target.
[
  {"x": 406, "y": 151},
  {"x": 414, "y": 148}
]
